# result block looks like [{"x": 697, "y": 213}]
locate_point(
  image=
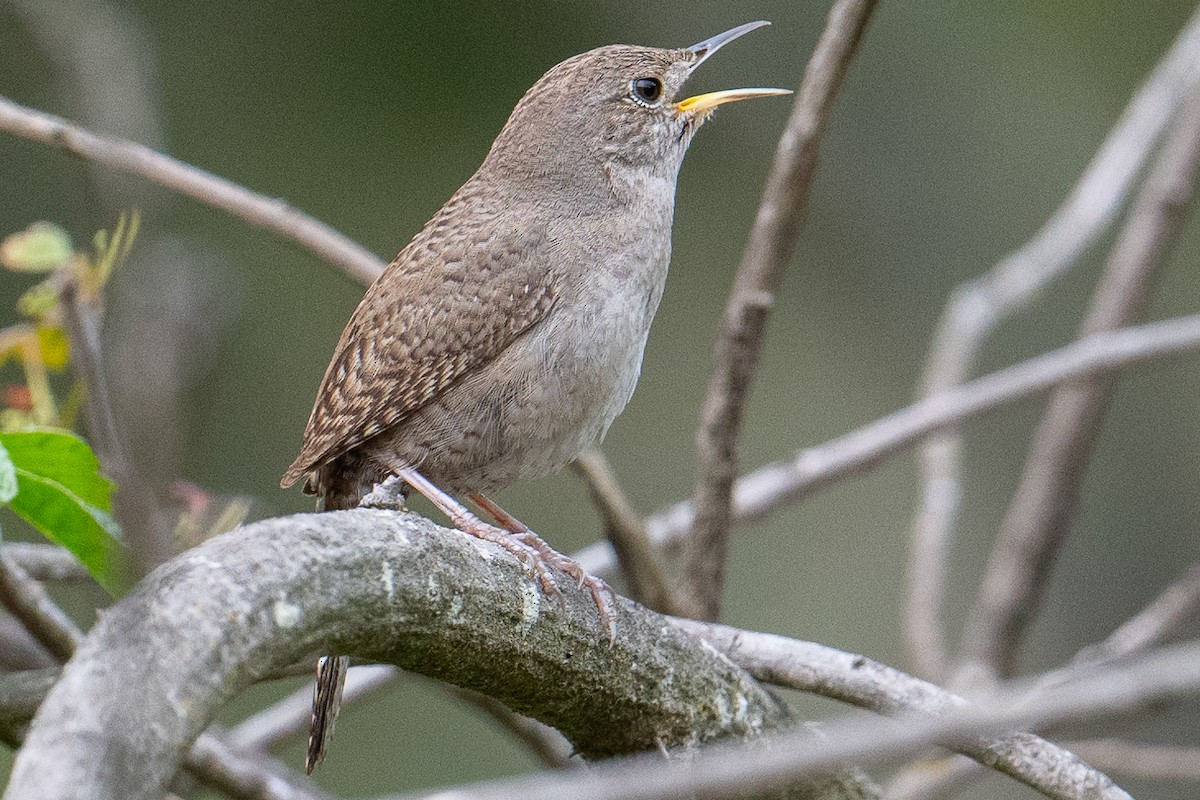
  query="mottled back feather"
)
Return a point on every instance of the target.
[{"x": 427, "y": 321}]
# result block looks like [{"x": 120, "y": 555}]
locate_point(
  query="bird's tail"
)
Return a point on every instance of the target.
[{"x": 327, "y": 702}]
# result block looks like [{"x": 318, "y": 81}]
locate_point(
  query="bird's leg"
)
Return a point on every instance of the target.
[
  {"x": 468, "y": 523},
  {"x": 602, "y": 595}
]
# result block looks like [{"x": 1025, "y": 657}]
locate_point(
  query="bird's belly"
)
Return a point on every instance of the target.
[
  {"x": 578, "y": 401},
  {"x": 550, "y": 395}
]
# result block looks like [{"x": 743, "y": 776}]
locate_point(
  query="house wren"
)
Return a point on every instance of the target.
[{"x": 508, "y": 334}]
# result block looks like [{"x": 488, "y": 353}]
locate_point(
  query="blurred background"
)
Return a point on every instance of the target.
[{"x": 960, "y": 129}]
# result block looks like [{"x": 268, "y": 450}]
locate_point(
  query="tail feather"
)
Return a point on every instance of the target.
[{"x": 327, "y": 702}]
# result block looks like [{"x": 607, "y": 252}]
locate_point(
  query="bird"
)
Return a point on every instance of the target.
[{"x": 508, "y": 334}]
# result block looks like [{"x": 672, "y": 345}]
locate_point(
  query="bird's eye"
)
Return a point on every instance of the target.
[{"x": 646, "y": 90}]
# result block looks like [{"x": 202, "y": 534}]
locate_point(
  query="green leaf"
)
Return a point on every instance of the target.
[
  {"x": 61, "y": 492},
  {"x": 91, "y": 534},
  {"x": 64, "y": 458},
  {"x": 8, "y": 477}
]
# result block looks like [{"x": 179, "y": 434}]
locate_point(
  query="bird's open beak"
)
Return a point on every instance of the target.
[
  {"x": 710, "y": 100},
  {"x": 703, "y": 102}
]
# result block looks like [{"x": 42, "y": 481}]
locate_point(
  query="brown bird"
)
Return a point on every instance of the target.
[{"x": 508, "y": 334}]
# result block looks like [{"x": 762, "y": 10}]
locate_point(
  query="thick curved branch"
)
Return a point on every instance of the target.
[
  {"x": 272, "y": 214},
  {"x": 768, "y": 249},
  {"x": 380, "y": 585}
]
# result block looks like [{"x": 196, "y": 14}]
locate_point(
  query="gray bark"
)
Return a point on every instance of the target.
[{"x": 379, "y": 585}]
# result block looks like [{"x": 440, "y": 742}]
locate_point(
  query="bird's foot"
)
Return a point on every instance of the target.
[
  {"x": 602, "y": 595},
  {"x": 470, "y": 524},
  {"x": 388, "y": 495},
  {"x": 528, "y": 555}
]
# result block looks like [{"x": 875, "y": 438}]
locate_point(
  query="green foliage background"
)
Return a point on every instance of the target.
[{"x": 962, "y": 126}]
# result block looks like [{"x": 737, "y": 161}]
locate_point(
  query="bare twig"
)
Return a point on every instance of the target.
[
  {"x": 1044, "y": 504},
  {"x": 21, "y": 693},
  {"x": 20, "y": 649},
  {"x": 272, "y": 214},
  {"x": 547, "y": 744},
  {"x": 933, "y": 778},
  {"x": 853, "y": 679},
  {"x": 244, "y": 777},
  {"x": 940, "y": 777},
  {"x": 46, "y": 562},
  {"x": 770, "y": 487},
  {"x": 768, "y": 249},
  {"x": 728, "y": 770},
  {"x": 137, "y": 509},
  {"x": 292, "y": 714},
  {"x": 1156, "y": 761},
  {"x": 1154, "y": 623},
  {"x": 1149, "y": 627},
  {"x": 978, "y": 306},
  {"x": 26, "y": 600},
  {"x": 636, "y": 553}
]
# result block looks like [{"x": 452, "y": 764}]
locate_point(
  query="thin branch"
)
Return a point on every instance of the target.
[
  {"x": 547, "y": 744},
  {"x": 26, "y": 600},
  {"x": 768, "y": 250},
  {"x": 768, "y": 488},
  {"x": 729, "y": 770},
  {"x": 1155, "y": 761},
  {"x": 20, "y": 649},
  {"x": 1175, "y": 605},
  {"x": 636, "y": 553},
  {"x": 20, "y": 695},
  {"x": 46, "y": 562},
  {"x": 978, "y": 306},
  {"x": 137, "y": 509},
  {"x": 379, "y": 585},
  {"x": 293, "y": 713},
  {"x": 933, "y": 778},
  {"x": 272, "y": 214},
  {"x": 219, "y": 766},
  {"x": 927, "y": 780},
  {"x": 1044, "y": 504},
  {"x": 1148, "y": 628},
  {"x": 853, "y": 679}
]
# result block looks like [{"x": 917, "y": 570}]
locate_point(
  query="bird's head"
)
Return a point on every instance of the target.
[{"x": 612, "y": 107}]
